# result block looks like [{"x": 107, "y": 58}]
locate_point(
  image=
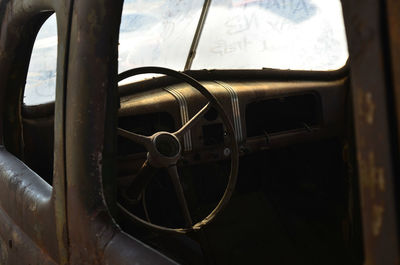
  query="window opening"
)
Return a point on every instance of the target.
[
  {"x": 38, "y": 122},
  {"x": 41, "y": 79}
]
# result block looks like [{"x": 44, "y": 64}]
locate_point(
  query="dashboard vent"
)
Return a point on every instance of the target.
[{"x": 282, "y": 114}]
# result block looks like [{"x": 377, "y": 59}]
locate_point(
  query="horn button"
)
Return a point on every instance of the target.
[
  {"x": 166, "y": 149},
  {"x": 167, "y": 145}
]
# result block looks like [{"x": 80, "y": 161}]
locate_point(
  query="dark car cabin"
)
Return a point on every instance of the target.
[{"x": 199, "y": 132}]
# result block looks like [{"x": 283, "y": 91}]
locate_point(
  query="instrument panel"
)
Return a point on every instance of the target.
[{"x": 264, "y": 114}]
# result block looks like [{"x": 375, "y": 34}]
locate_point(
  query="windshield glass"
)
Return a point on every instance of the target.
[
  {"x": 157, "y": 32},
  {"x": 237, "y": 34},
  {"x": 285, "y": 34}
]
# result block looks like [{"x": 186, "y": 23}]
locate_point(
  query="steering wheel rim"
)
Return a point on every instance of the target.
[{"x": 234, "y": 156}]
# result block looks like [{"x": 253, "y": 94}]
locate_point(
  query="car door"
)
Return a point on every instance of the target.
[{"x": 32, "y": 212}]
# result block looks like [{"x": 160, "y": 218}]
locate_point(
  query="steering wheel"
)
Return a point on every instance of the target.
[{"x": 164, "y": 149}]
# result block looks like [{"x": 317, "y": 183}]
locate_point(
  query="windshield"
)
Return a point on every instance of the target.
[
  {"x": 236, "y": 34},
  {"x": 232, "y": 34},
  {"x": 157, "y": 32},
  {"x": 255, "y": 34}
]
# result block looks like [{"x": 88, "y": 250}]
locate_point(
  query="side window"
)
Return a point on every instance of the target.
[
  {"x": 38, "y": 119},
  {"x": 41, "y": 80}
]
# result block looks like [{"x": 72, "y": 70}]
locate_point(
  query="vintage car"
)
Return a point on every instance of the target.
[{"x": 199, "y": 132}]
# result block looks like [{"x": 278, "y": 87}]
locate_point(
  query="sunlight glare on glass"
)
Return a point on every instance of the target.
[
  {"x": 40, "y": 85},
  {"x": 282, "y": 34}
]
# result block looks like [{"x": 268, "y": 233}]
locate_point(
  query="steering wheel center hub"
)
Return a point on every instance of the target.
[
  {"x": 164, "y": 150},
  {"x": 167, "y": 145}
]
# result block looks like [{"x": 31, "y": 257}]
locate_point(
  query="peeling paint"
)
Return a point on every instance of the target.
[
  {"x": 380, "y": 175},
  {"x": 32, "y": 206},
  {"x": 373, "y": 176},
  {"x": 377, "y": 219}
]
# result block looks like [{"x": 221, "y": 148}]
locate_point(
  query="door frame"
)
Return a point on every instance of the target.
[
  {"x": 373, "y": 35},
  {"x": 32, "y": 213}
]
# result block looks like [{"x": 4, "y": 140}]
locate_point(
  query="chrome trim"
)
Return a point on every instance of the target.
[
  {"x": 183, "y": 108},
  {"x": 235, "y": 110}
]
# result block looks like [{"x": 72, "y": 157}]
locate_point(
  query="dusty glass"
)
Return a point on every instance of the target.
[
  {"x": 238, "y": 34},
  {"x": 282, "y": 34}
]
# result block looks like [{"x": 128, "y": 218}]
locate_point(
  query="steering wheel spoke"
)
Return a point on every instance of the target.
[
  {"x": 139, "y": 183},
  {"x": 137, "y": 138},
  {"x": 193, "y": 121},
  {"x": 173, "y": 172}
]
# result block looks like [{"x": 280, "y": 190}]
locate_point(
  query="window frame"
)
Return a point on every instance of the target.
[{"x": 37, "y": 210}]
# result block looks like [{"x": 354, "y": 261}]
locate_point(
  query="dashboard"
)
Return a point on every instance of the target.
[{"x": 264, "y": 114}]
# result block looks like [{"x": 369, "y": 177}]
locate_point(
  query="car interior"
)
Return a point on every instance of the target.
[{"x": 292, "y": 193}]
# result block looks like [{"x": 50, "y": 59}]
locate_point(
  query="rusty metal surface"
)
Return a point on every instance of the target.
[
  {"x": 91, "y": 105},
  {"x": 37, "y": 209},
  {"x": 370, "y": 88},
  {"x": 16, "y": 247},
  {"x": 26, "y": 198}
]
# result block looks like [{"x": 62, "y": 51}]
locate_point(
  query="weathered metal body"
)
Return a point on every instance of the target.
[
  {"x": 372, "y": 32},
  {"x": 71, "y": 222}
]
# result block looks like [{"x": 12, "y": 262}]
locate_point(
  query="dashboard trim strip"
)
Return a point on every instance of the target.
[
  {"x": 235, "y": 110},
  {"x": 183, "y": 108}
]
